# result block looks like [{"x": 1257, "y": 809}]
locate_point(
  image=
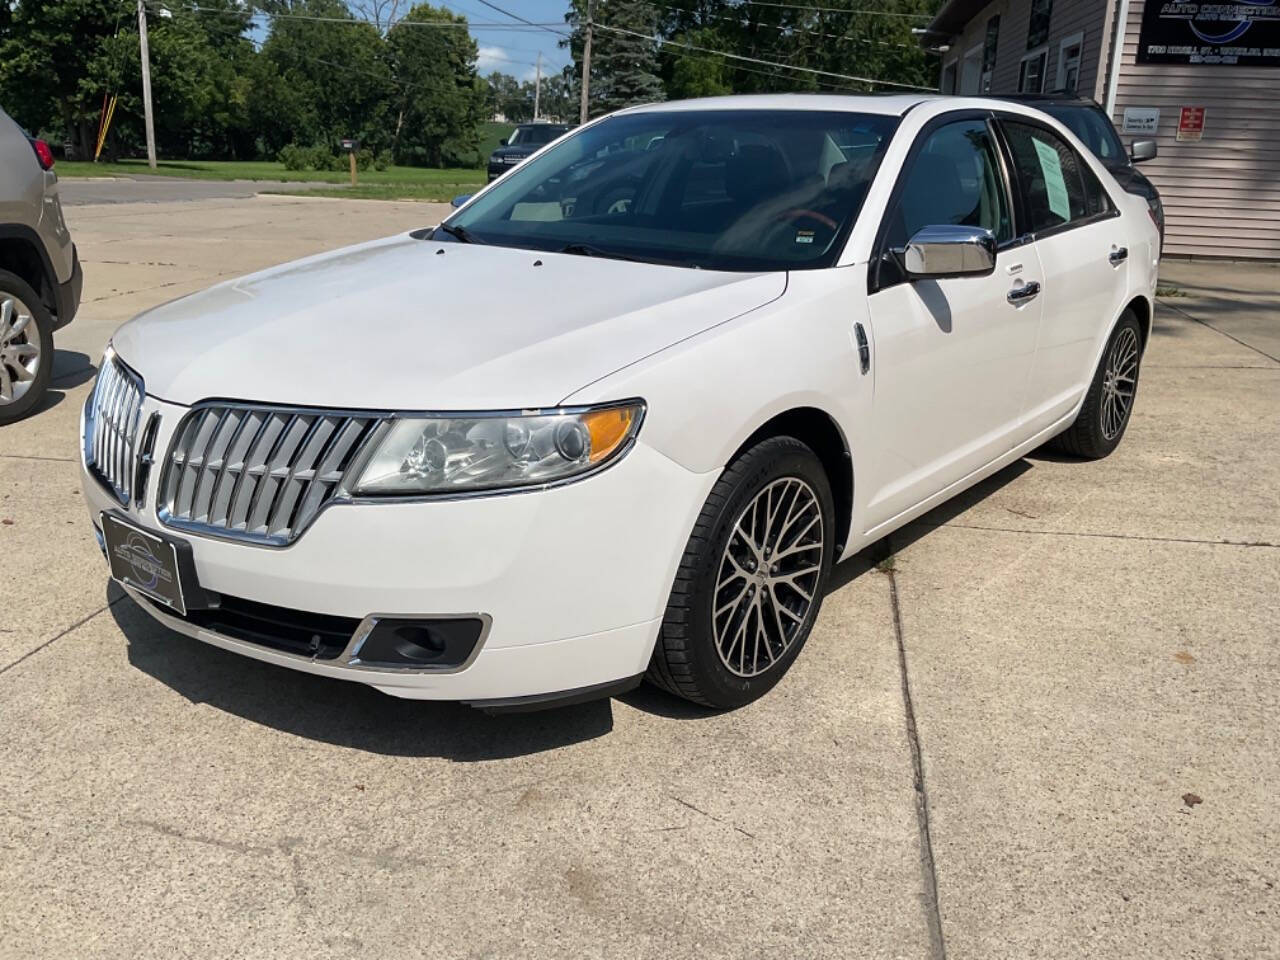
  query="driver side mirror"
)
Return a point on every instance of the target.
[
  {"x": 503, "y": 141},
  {"x": 1141, "y": 150},
  {"x": 459, "y": 200},
  {"x": 949, "y": 250}
]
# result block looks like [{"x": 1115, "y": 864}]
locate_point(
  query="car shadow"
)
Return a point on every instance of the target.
[
  {"x": 348, "y": 714},
  {"x": 70, "y": 370}
]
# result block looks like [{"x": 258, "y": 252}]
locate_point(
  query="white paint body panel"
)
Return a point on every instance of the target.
[{"x": 576, "y": 578}]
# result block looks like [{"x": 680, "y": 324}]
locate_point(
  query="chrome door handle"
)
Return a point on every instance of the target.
[
  {"x": 1028, "y": 291},
  {"x": 1118, "y": 256}
]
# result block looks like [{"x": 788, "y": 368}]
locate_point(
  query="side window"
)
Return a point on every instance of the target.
[
  {"x": 1094, "y": 194},
  {"x": 1051, "y": 177},
  {"x": 954, "y": 178}
]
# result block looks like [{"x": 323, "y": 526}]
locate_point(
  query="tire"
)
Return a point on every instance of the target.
[
  {"x": 775, "y": 493},
  {"x": 1105, "y": 413},
  {"x": 26, "y": 342}
]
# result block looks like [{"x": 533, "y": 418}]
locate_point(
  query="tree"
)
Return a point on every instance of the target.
[
  {"x": 625, "y": 68},
  {"x": 45, "y": 58},
  {"x": 441, "y": 101}
]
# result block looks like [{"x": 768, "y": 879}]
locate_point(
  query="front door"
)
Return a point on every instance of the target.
[{"x": 951, "y": 355}]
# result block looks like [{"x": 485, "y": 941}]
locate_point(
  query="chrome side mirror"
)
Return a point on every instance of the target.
[
  {"x": 460, "y": 200},
  {"x": 947, "y": 250},
  {"x": 1141, "y": 150}
]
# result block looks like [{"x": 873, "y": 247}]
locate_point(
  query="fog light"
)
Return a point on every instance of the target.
[{"x": 423, "y": 644}]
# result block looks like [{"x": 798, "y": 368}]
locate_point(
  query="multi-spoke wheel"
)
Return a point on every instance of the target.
[
  {"x": 26, "y": 347},
  {"x": 751, "y": 579},
  {"x": 1109, "y": 403},
  {"x": 768, "y": 576}
]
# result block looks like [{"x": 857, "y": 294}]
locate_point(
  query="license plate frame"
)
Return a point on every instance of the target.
[{"x": 144, "y": 561}]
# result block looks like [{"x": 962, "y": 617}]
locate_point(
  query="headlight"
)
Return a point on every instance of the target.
[{"x": 444, "y": 455}]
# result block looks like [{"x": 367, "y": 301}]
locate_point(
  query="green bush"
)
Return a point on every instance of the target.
[{"x": 293, "y": 157}]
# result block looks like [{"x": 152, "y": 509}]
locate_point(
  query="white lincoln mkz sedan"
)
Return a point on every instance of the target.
[{"x": 618, "y": 416}]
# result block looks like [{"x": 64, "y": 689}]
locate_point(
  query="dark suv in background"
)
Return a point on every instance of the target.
[
  {"x": 524, "y": 140},
  {"x": 1088, "y": 121}
]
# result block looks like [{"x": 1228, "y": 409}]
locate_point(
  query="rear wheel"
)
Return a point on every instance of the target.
[
  {"x": 751, "y": 580},
  {"x": 1109, "y": 402},
  {"x": 26, "y": 347}
]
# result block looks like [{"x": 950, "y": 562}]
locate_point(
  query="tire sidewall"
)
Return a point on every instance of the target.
[
  {"x": 1102, "y": 446},
  {"x": 13, "y": 285},
  {"x": 771, "y": 460}
]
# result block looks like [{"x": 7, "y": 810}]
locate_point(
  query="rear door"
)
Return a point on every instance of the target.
[
  {"x": 1078, "y": 236},
  {"x": 952, "y": 355}
]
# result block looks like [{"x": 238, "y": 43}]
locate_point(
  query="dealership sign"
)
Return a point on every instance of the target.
[{"x": 1245, "y": 33}]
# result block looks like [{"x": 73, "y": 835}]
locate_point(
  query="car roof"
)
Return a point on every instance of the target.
[
  {"x": 1058, "y": 97},
  {"x": 889, "y": 104}
]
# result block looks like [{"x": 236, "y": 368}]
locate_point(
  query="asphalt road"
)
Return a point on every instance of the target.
[
  {"x": 141, "y": 188},
  {"x": 1048, "y": 727}
]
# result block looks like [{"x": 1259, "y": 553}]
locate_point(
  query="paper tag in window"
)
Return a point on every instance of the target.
[
  {"x": 1054, "y": 184},
  {"x": 804, "y": 236}
]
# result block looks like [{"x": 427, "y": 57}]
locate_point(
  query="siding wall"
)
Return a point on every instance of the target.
[{"x": 1222, "y": 194}]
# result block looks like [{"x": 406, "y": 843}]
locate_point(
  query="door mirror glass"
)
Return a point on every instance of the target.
[
  {"x": 459, "y": 200},
  {"x": 949, "y": 250},
  {"x": 1142, "y": 150}
]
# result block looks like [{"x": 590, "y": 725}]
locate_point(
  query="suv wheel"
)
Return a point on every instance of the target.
[{"x": 26, "y": 347}]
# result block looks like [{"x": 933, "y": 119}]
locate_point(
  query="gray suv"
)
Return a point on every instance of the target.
[{"x": 40, "y": 276}]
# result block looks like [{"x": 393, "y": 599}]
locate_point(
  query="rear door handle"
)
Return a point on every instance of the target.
[
  {"x": 1028, "y": 291},
  {"x": 1118, "y": 256}
]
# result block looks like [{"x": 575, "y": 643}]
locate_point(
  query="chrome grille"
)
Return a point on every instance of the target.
[
  {"x": 111, "y": 426},
  {"x": 257, "y": 473}
]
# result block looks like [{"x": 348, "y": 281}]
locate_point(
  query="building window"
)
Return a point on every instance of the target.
[
  {"x": 1069, "y": 62},
  {"x": 1038, "y": 28},
  {"x": 949, "y": 78},
  {"x": 989, "y": 52},
  {"x": 1031, "y": 72}
]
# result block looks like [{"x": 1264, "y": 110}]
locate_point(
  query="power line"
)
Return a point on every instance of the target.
[
  {"x": 255, "y": 13},
  {"x": 768, "y": 63},
  {"x": 516, "y": 16},
  {"x": 797, "y": 29}
]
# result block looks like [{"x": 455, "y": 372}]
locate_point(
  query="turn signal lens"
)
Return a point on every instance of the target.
[{"x": 607, "y": 429}]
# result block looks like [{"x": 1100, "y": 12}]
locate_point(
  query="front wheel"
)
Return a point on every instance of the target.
[
  {"x": 1108, "y": 404},
  {"x": 751, "y": 580}
]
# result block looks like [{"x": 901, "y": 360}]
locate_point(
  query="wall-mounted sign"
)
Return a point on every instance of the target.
[
  {"x": 1141, "y": 120},
  {"x": 1245, "y": 33},
  {"x": 1191, "y": 123}
]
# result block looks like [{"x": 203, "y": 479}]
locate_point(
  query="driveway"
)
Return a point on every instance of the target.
[{"x": 1046, "y": 725}]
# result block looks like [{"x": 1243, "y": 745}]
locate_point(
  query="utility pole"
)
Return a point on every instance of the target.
[
  {"x": 537, "y": 88},
  {"x": 146, "y": 86},
  {"x": 586, "y": 60}
]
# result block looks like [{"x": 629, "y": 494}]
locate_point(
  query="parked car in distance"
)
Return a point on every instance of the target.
[
  {"x": 812, "y": 319},
  {"x": 524, "y": 140},
  {"x": 40, "y": 275},
  {"x": 1087, "y": 120}
]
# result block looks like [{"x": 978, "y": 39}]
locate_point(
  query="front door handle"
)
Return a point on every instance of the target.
[
  {"x": 1118, "y": 256},
  {"x": 1028, "y": 291}
]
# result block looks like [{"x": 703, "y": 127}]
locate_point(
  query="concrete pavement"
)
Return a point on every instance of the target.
[
  {"x": 1047, "y": 727},
  {"x": 141, "y": 188}
]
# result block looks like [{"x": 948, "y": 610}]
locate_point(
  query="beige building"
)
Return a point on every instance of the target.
[{"x": 1202, "y": 80}]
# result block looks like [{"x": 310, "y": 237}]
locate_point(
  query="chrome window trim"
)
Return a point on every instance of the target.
[{"x": 384, "y": 419}]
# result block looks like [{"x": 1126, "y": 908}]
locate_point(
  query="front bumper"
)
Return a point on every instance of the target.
[{"x": 573, "y": 580}]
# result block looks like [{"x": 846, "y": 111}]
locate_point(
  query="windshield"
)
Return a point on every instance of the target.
[
  {"x": 1094, "y": 130},
  {"x": 537, "y": 135},
  {"x": 718, "y": 189}
]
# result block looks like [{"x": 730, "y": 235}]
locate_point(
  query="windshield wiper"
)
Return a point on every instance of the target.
[
  {"x": 587, "y": 250},
  {"x": 461, "y": 234}
]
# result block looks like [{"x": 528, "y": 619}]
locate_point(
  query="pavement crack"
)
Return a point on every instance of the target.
[
  {"x": 1201, "y": 541},
  {"x": 79, "y": 623},
  {"x": 1206, "y": 323},
  {"x": 712, "y": 816},
  {"x": 932, "y": 910},
  {"x": 23, "y": 456}
]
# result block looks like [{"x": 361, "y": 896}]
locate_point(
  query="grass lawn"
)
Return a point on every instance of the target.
[{"x": 417, "y": 180}]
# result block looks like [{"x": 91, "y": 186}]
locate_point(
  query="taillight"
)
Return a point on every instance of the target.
[{"x": 43, "y": 153}]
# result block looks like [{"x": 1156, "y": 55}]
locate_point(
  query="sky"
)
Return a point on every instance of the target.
[{"x": 515, "y": 50}]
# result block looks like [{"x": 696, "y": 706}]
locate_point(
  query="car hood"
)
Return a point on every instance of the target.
[
  {"x": 516, "y": 151},
  {"x": 413, "y": 324}
]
